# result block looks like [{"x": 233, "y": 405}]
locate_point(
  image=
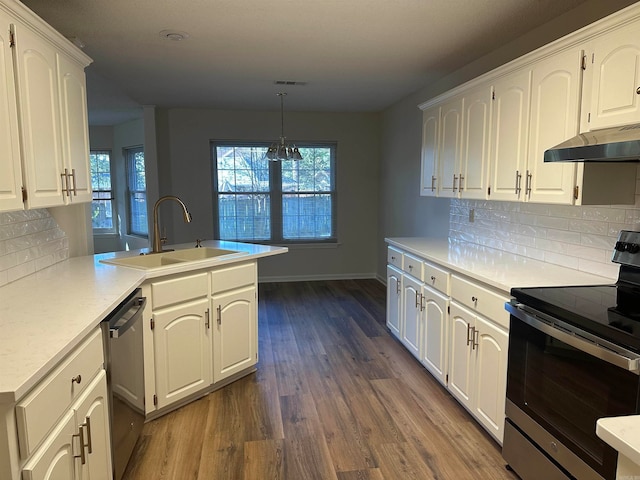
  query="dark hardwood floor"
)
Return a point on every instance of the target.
[{"x": 335, "y": 397}]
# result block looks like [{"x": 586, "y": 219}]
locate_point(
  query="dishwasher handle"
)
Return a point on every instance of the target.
[{"x": 123, "y": 318}]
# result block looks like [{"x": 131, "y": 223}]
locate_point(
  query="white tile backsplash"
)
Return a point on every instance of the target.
[
  {"x": 30, "y": 240},
  {"x": 581, "y": 238}
]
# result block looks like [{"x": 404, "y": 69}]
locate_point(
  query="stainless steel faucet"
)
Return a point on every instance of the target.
[{"x": 157, "y": 241}]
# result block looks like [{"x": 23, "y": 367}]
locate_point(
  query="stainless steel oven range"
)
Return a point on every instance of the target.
[{"x": 574, "y": 357}]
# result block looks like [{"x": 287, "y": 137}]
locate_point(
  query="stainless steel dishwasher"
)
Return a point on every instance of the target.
[{"x": 122, "y": 336}]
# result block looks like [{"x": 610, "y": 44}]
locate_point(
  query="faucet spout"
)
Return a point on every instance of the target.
[{"x": 157, "y": 243}]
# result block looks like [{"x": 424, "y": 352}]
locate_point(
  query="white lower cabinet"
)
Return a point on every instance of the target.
[
  {"x": 79, "y": 447},
  {"x": 203, "y": 329},
  {"x": 478, "y": 367},
  {"x": 182, "y": 351},
  {"x": 235, "y": 337},
  {"x": 411, "y": 315},
  {"x": 435, "y": 337},
  {"x": 458, "y": 329},
  {"x": 394, "y": 300}
]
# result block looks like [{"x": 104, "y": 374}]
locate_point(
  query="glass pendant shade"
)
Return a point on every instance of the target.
[{"x": 281, "y": 150}]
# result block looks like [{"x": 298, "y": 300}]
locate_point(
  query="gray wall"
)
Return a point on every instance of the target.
[
  {"x": 402, "y": 211},
  {"x": 185, "y": 170}
]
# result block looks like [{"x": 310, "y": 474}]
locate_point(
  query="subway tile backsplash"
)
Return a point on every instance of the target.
[
  {"x": 30, "y": 240},
  {"x": 581, "y": 238}
]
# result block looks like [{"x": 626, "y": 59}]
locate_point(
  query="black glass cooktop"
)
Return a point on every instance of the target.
[{"x": 609, "y": 311}]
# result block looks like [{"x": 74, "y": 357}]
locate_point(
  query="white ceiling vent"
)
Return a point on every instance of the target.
[{"x": 289, "y": 83}]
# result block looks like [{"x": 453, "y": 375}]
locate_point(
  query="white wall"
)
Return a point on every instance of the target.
[
  {"x": 402, "y": 211},
  {"x": 185, "y": 170}
]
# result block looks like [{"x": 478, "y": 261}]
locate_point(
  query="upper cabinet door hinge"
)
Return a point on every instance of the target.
[{"x": 584, "y": 62}]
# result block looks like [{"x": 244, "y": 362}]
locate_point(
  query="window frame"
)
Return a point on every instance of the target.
[
  {"x": 114, "y": 208},
  {"x": 129, "y": 155},
  {"x": 276, "y": 193}
]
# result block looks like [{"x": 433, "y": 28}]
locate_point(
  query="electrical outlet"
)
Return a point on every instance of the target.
[{"x": 472, "y": 215}]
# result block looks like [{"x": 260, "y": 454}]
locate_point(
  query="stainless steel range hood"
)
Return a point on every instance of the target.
[{"x": 618, "y": 144}]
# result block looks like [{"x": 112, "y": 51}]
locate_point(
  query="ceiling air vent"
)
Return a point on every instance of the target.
[{"x": 288, "y": 82}]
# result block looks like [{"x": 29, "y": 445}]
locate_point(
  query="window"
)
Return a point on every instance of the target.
[
  {"x": 274, "y": 202},
  {"x": 102, "y": 207},
  {"x": 137, "y": 192}
]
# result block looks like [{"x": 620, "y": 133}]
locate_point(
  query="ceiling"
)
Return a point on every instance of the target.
[{"x": 354, "y": 55}]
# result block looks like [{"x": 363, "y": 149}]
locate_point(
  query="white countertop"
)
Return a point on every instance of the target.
[
  {"x": 623, "y": 434},
  {"x": 501, "y": 270},
  {"x": 45, "y": 315}
]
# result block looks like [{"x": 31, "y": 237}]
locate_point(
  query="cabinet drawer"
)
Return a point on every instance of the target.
[
  {"x": 179, "y": 289},
  {"x": 413, "y": 266},
  {"x": 480, "y": 299},
  {"x": 437, "y": 277},
  {"x": 38, "y": 412},
  {"x": 233, "y": 277},
  {"x": 394, "y": 257}
]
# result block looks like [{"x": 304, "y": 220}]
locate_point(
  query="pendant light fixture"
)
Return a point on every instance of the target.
[{"x": 281, "y": 150}]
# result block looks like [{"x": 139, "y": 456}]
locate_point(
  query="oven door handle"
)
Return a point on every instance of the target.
[{"x": 578, "y": 339}]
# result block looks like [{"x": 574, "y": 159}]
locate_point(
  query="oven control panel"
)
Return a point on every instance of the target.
[{"x": 627, "y": 248}]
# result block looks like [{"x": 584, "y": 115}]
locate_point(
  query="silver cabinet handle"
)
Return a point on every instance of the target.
[
  {"x": 518, "y": 180},
  {"x": 65, "y": 178},
  {"x": 422, "y": 306},
  {"x": 455, "y": 179},
  {"x": 393, "y": 258},
  {"x": 433, "y": 279},
  {"x": 417, "y": 301},
  {"x": 219, "y": 314},
  {"x": 460, "y": 183},
  {"x": 77, "y": 379},
  {"x": 73, "y": 177},
  {"x": 80, "y": 434},
  {"x": 469, "y": 327},
  {"x": 474, "y": 342},
  {"x": 474, "y": 299},
  {"x": 410, "y": 267},
  {"x": 207, "y": 322},
  {"x": 528, "y": 183},
  {"x": 88, "y": 424},
  {"x": 433, "y": 182},
  {"x": 638, "y": 90},
  {"x": 398, "y": 290}
]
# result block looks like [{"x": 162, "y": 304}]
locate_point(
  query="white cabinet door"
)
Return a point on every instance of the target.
[
  {"x": 411, "y": 315},
  {"x": 74, "y": 126},
  {"x": 10, "y": 163},
  {"x": 509, "y": 131},
  {"x": 92, "y": 415},
  {"x": 40, "y": 119},
  {"x": 449, "y": 148},
  {"x": 182, "y": 348},
  {"x": 490, "y": 376},
  {"x": 429, "y": 161},
  {"x": 54, "y": 459},
  {"x": 555, "y": 115},
  {"x": 235, "y": 338},
  {"x": 615, "y": 81},
  {"x": 474, "y": 165},
  {"x": 394, "y": 295},
  {"x": 461, "y": 378},
  {"x": 434, "y": 353}
]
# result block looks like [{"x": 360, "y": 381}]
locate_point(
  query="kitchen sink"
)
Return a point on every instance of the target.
[{"x": 164, "y": 259}]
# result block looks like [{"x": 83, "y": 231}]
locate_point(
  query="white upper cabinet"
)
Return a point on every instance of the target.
[
  {"x": 614, "y": 69},
  {"x": 10, "y": 168},
  {"x": 45, "y": 148},
  {"x": 40, "y": 119},
  {"x": 429, "y": 164},
  {"x": 474, "y": 163},
  {"x": 555, "y": 103},
  {"x": 450, "y": 148},
  {"x": 509, "y": 133}
]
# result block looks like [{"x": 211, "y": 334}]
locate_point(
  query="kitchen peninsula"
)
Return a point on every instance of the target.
[{"x": 48, "y": 314}]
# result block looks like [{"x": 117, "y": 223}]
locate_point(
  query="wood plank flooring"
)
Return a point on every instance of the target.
[{"x": 335, "y": 397}]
